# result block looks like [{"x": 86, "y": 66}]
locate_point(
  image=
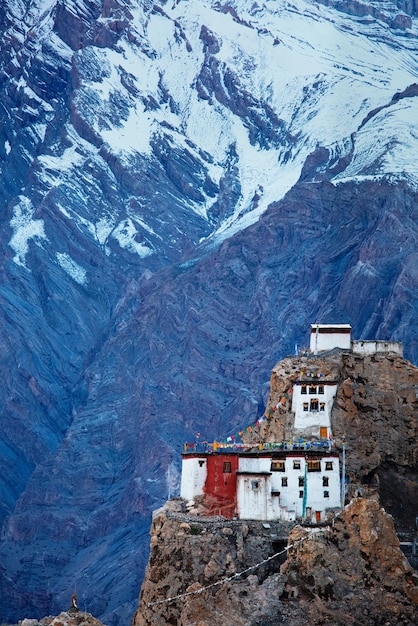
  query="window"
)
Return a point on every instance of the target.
[
  {"x": 312, "y": 390},
  {"x": 322, "y": 406},
  {"x": 296, "y": 464},
  {"x": 321, "y": 389},
  {"x": 227, "y": 467},
  {"x": 284, "y": 482},
  {"x": 300, "y": 494},
  {"x": 275, "y": 494},
  {"x": 325, "y": 481},
  {"x": 328, "y": 465},
  {"x": 201, "y": 463},
  {"x": 314, "y": 404},
  {"x": 326, "y": 494},
  {"x": 303, "y": 389},
  {"x": 305, "y": 406},
  {"x": 308, "y": 512},
  {"x": 314, "y": 466},
  {"x": 255, "y": 484},
  {"x": 277, "y": 466},
  {"x": 301, "y": 481}
]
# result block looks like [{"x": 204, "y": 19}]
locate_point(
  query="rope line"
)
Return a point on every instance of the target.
[
  {"x": 238, "y": 574},
  {"x": 229, "y": 578}
]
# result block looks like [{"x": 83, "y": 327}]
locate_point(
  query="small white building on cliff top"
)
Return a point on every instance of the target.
[
  {"x": 328, "y": 336},
  {"x": 281, "y": 480}
]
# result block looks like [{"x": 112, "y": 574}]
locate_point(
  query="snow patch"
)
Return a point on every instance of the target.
[
  {"x": 102, "y": 229},
  {"x": 72, "y": 268},
  {"x": 133, "y": 135},
  {"x": 125, "y": 234},
  {"x": 24, "y": 228},
  {"x": 386, "y": 146}
]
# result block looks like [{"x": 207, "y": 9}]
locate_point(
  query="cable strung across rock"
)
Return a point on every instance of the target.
[{"x": 228, "y": 579}]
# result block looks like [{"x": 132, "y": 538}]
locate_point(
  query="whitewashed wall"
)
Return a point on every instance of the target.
[
  {"x": 291, "y": 496},
  {"x": 371, "y": 347},
  {"x": 309, "y": 419},
  {"x": 328, "y": 341},
  {"x": 193, "y": 477},
  {"x": 254, "y": 464},
  {"x": 254, "y": 491}
]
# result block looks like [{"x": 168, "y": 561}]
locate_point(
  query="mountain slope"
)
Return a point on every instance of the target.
[{"x": 185, "y": 188}]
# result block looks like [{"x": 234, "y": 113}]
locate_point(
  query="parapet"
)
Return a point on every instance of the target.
[{"x": 374, "y": 346}]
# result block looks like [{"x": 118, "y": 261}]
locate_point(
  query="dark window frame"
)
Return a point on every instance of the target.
[{"x": 227, "y": 468}]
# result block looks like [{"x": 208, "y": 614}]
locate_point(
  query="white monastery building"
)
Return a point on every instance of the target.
[
  {"x": 272, "y": 481},
  {"x": 312, "y": 403},
  {"x": 262, "y": 485},
  {"x": 329, "y": 336}
]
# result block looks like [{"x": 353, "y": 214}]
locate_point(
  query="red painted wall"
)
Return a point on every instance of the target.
[{"x": 220, "y": 486}]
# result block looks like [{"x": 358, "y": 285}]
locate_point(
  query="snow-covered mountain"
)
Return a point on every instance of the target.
[{"x": 185, "y": 187}]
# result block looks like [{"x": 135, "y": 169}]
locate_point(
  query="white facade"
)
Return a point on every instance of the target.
[
  {"x": 329, "y": 336},
  {"x": 313, "y": 489},
  {"x": 257, "y": 501},
  {"x": 193, "y": 476},
  {"x": 312, "y": 404},
  {"x": 371, "y": 347},
  {"x": 287, "y": 488}
]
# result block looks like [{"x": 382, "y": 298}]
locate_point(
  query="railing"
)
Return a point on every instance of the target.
[{"x": 220, "y": 447}]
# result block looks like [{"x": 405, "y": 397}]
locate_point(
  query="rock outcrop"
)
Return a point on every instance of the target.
[
  {"x": 206, "y": 572},
  {"x": 199, "y": 559},
  {"x": 66, "y": 618},
  {"x": 352, "y": 573},
  {"x": 375, "y": 409}
]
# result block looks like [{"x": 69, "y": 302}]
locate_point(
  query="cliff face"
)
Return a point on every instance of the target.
[
  {"x": 188, "y": 553},
  {"x": 354, "y": 572},
  {"x": 351, "y": 572},
  {"x": 376, "y": 409}
]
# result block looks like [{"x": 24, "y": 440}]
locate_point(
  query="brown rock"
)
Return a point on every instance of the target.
[
  {"x": 208, "y": 571},
  {"x": 376, "y": 408},
  {"x": 352, "y": 570},
  {"x": 71, "y": 619}
]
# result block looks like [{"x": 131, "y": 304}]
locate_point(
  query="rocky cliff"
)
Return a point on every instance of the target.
[
  {"x": 211, "y": 572},
  {"x": 184, "y": 187},
  {"x": 66, "y": 618},
  {"x": 206, "y": 571},
  {"x": 376, "y": 409}
]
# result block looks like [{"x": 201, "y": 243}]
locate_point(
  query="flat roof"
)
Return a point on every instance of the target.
[
  {"x": 322, "y": 451},
  {"x": 330, "y": 327}
]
